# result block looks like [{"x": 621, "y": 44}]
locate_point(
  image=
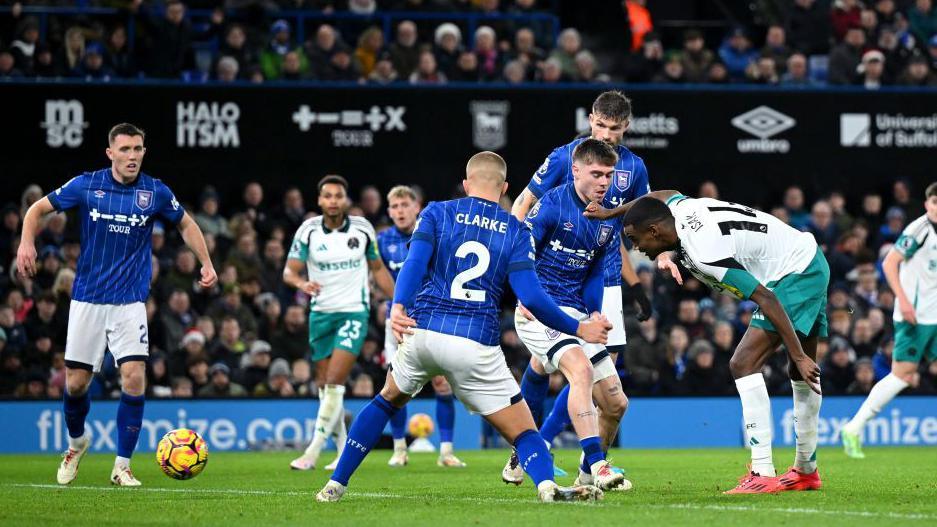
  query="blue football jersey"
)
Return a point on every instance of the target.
[
  {"x": 568, "y": 244},
  {"x": 114, "y": 265},
  {"x": 476, "y": 244},
  {"x": 393, "y": 246},
  {"x": 629, "y": 182}
]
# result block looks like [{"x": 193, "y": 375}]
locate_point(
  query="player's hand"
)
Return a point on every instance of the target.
[
  {"x": 809, "y": 371},
  {"x": 594, "y": 330},
  {"x": 640, "y": 298},
  {"x": 907, "y": 310},
  {"x": 26, "y": 259},
  {"x": 596, "y": 211},
  {"x": 311, "y": 288},
  {"x": 664, "y": 263},
  {"x": 401, "y": 323},
  {"x": 209, "y": 277},
  {"x": 524, "y": 311}
]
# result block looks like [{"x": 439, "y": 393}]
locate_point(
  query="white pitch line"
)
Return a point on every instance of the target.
[{"x": 383, "y": 495}]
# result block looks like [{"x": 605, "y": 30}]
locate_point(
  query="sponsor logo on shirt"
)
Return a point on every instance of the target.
[
  {"x": 144, "y": 199},
  {"x": 353, "y": 243},
  {"x": 99, "y": 194},
  {"x": 622, "y": 179}
]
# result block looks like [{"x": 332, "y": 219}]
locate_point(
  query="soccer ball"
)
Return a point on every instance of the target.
[
  {"x": 182, "y": 454},
  {"x": 420, "y": 425}
]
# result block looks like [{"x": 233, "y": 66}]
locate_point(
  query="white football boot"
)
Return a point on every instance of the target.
[
  {"x": 399, "y": 459},
  {"x": 68, "y": 469},
  {"x": 549, "y": 492},
  {"x": 123, "y": 477},
  {"x": 513, "y": 472},
  {"x": 303, "y": 462},
  {"x": 332, "y": 491},
  {"x": 606, "y": 477}
]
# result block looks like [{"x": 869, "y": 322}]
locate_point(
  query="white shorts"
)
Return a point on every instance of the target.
[
  {"x": 611, "y": 308},
  {"x": 390, "y": 343},
  {"x": 548, "y": 345},
  {"x": 94, "y": 328},
  {"x": 479, "y": 375}
]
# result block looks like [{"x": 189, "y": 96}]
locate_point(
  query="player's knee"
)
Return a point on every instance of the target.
[
  {"x": 133, "y": 378},
  {"x": 581, "y": 374},
  {"x": 739, "y": 366},
  {"x": 441, "y": 386},
  {"x": 76, "y": 387},
  {"x": 617, "y": 407}
]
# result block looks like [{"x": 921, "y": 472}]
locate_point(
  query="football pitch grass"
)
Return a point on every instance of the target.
[{"x": 893, "y": 486}]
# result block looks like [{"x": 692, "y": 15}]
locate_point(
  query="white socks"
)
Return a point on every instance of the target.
[
  {"x": 331, "y": 410},
  {"x": 340, "y": 433},
  {"x": 74, "y": 443},
  {"x": 756, "y": 411},
  {"x": 400, "y": 445},
  {"x": 122, "y": 462},
  {"x": 882, "y": 393},
  {"x": 445, "y": 449},
  {"x": 806, "y": 416}
]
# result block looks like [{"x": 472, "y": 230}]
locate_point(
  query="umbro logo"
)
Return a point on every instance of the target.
[{"x": 99, "y": 193}]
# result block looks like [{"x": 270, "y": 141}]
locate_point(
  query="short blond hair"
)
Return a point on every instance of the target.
[
  {"x": 489, "y": 166},
  {"x": 401, "y": 192}
]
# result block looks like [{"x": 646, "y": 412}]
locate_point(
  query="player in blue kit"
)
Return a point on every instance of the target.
[
  {"x": 117, "y": 207},
  {"x": 571, "y": 252},
  {"x": 461, "y": 254},
  {"x": 609, "y": 120},
  {"x": 403, "y": 207}
]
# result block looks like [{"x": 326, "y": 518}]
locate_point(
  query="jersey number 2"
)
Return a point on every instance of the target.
[{"x": 484, "y": 260}]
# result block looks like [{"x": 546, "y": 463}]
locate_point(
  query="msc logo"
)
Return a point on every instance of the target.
[
  {"x": 764, "y": 122},
  {"x": 210, "y": 125},
  {"x": 65, "y": 123}
]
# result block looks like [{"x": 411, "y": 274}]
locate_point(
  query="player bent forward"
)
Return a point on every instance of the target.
[
  {"x": 749, "y": 254},
  {"x": 466, "y": 249}
]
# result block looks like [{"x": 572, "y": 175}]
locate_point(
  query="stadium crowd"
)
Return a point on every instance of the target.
[
  {"x": 796, "y": 43},
  {"x": 249, "y": 335}
]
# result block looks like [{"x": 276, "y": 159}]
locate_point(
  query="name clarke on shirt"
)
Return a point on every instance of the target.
[{"x": 482, "y": 222}]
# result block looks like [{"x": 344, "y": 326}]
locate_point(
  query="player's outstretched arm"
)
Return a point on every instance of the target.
[
  {"x": 597, "y": 211},
  {"x": 527, "y": 287},
  {"x": 382, "y": 277},
  {"x": 195, "y": 240},
  {"x": 774, "y": 311},
  {"x": 26, "y": 254},
  {"x": 890, "y": 267}
]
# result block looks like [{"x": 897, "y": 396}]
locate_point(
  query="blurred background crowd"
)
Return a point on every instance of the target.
[{"x": 768, "y": 42}]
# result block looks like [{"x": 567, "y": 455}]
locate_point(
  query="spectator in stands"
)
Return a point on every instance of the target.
[
  {"x": 426, "y": 71},
  {"x": 467, "y": 68},
  {"x": 673, "y": 366},
  {"x": 552, "y": 72},
  {"x": 891, "y": 229},
  {"x": 645, "y": 66},
  {"x": 448, "y": 46},
  {"x": 695, "y": 57},
  {"x": 901, "y": 196},
  {"x": 821, "y": 225},
  {"x": 384, "y": 72},
  {"x": 158, "y": 382},
  {"x": 587, "y": 68},
  {"x": 291, "y": 68},
  {"x": 776, "y": 46},
  {"x": 794, "y": 205},
  {"x": 718, "y": 74},
  {"x": 886, "y": 12},
  {"x": 864, "y": 378},
  {"x": 372, "y": 204},
  {"x": 119, "y": 57},
  {"x": 763, "y": 71},
  {"x": 486, "y": 51},
  {"x": 932, "y": 51},
  {"x": 489, "y": 10},
  {"x": 44, "y": 63},
  {"x": 69, "y": 56},
  {"x": 809, "y": 27},
  {"x": 23, "y": 48},
  {"x": 846, "y": 57},
  {"x": 370, "y": 44},
  {"x": 736, "y": 53},
  {"x": 226, "y": 70},
  {"x": 917, "y": 73},
  {"x": 291, "y": 341},
  {"x": 272, "y": 58},
  {"x": 208, "y": 218},
  {"x": 50, "y": 262},
  {"x": 197, "y": 372},
  {"x": 872, "y": 69},
  {"x": 230, "y": 346},
  {"x": 235, "y": 46},
  {"x": 568, "y": 44},
  {"x": 797, "y": 74},
  {"x": 515, "y": 72},
  {"x": 896, "y": 55},
  {"x": 170, "y": 37},
  {"x": 192, "y": 345},
  {"x": 221, "y": 385},
  {"x": 405, "y": 51},
  {"x": 673, "y": 71},
  {"x": 527, "y": 52},
  {"x": 868, "y": 21},
  {"x": 922, "y": 18},
  {"x": 176, "y": 318},
  {"x": 845, "y": 15},
  {"x": 321, "y": 49},
  {"x": 182, "y": 387},
  {"x": 278, "y": 381},
  {"x": 639, "y": 20},
  {"x": 45, "y": 320}
]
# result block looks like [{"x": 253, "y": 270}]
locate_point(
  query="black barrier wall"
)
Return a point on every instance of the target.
[{"x": 753, "y": 143}]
